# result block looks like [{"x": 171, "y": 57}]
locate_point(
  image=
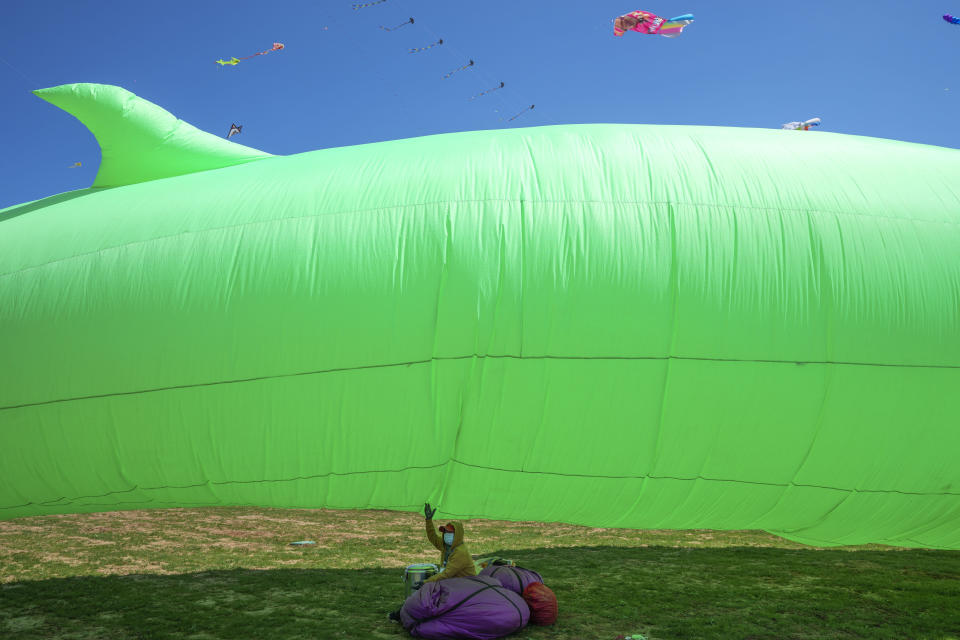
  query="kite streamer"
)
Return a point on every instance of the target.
[
  {"x": 402, "y": 24},
  {"x": 530, "y": 108},
  {"x": 366, "y": 4},
  {"x": 429, "y": 46},
  {"x": 466, "y": 66},
  {"x": 491, "y": 90},
  {"x": 277, "y": 46}
]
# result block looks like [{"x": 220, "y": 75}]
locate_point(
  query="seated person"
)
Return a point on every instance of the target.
[{"x": 454, "y": 557}]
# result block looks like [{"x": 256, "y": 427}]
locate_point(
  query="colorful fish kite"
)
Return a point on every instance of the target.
[
  {"x": 234, "y": 130},
  {"x": 649, "y": 23},
  {"x": 530, "y": 108},
  {"x": 951, "y": 19},
  {"x": 466, "y": 66},
  {"x": 802, "y": 126},
  {"x": 363, "y": 5},
  {"x": 491, "y": 90},
  {"x": 277, "y": 46},
  {"x": 429, "y": 46},
  {"x": 403, "y": 24}
]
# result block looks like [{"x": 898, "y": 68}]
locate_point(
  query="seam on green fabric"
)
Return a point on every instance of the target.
[
  {"x": 476, "y": 201},
  {"x": 646, "y": 476},
  {"x": 63, "y": 500},
  {"x": 823, "y": 284},
  {"x": 172, "y": 503},
  {"x": 674, "y": 312},
  {"x": 478, "y": 356},
  {"x": 444, "y": 271},
  {"x": 814, "y": 542}
]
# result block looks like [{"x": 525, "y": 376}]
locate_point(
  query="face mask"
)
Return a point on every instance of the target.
[{"x": 448, "y": 538}]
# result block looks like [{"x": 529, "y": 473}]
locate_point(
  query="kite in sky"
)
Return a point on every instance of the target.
[
  {"x": 277, "y": 46},
  {"x": 359, "y": 5},
  {"x": 75, "y": 165},
  {"x": 466, "y": 66},
  {"x": 530, "y": 108},
  {"x": 951, "y": 19},
  {"x": 429, "y": 46},
  {"x": 649, "y": 23},
  {"x": 491, "y": 90},
  {"x": 402, "y": 24},
  {"x": 802, "y": 126},
  {"x": 234, "y": 130}
]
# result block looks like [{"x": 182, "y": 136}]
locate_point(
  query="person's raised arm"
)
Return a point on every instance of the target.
[{"x": 431, "y": 530}]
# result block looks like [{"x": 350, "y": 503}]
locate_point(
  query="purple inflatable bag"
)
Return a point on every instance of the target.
[
  {"x": 514, "y": 578},
  {"x": 476, "y": 607}
]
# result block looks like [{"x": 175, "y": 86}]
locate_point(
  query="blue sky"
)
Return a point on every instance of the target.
[{"x": 883, "y": 68}]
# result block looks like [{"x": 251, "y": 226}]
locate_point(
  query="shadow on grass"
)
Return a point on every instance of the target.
[{"x": 663, "y": 592}]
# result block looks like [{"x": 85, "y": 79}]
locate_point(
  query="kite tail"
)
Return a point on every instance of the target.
[
  {"x": 491, "y": 90},
  {"x": 403, "y": 24},
  {"x": 672, "y": 29},
  {"x": 466, "y": 66},
  {"x": 530, "y": 108},
  {"x": 363, "y": 5},
  {"x": 429, "y": 46},
  {"x": 674, "y": 26}
]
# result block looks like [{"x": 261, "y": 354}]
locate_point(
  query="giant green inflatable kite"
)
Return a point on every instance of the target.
[{"x": 620, "y": 326}]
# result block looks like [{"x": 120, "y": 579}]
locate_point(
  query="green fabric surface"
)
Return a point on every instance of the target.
[
  {"x": 613, "y": 325},
  {"x": 140, "y": 141}
]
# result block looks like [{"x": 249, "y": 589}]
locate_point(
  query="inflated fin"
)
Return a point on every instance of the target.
[{"x": 140, "y": 141}]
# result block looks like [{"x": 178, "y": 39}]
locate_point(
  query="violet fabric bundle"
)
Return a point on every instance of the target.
[
  {"x": 514, "y": 578},
  {"x": 477, "y": 607}
]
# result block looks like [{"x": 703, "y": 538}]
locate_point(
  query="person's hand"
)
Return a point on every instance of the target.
[{"x": 427, "y": 511}]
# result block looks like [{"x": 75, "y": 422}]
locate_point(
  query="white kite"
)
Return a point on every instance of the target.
[{"x": 802, "y": 126}]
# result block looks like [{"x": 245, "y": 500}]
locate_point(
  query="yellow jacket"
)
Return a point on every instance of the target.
[{"x": 456, "y": 561}]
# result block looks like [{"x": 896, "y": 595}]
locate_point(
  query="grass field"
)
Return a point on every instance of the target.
[{"x": 228, "y": 573}]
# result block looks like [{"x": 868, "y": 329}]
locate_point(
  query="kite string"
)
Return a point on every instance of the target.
[
  {"x": 373, "y": 65},
  {"x": 276, "y": 47},
  {"x": 455, "y": 54},
  {"x": 33, "y": 85}
]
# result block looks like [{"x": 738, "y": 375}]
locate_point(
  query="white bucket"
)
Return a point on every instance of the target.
[{"x": 415, "y": 574}]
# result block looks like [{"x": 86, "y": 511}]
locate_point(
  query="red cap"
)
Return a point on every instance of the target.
[{"x": 448, "y": 528}]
